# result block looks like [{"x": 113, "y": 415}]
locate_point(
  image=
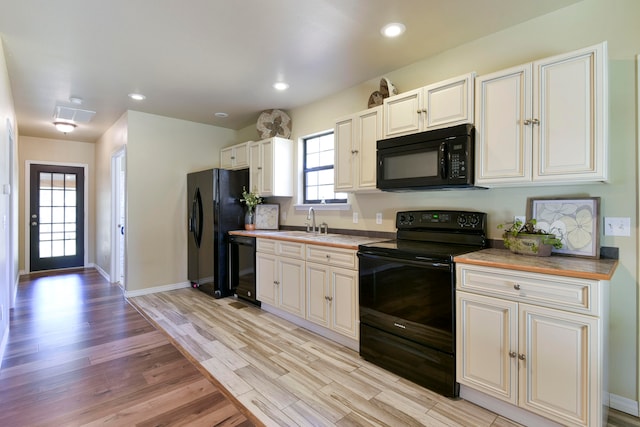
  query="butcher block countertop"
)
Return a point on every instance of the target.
[
  {"x": 580, "y": 268},
  {"x": 344, "y": 241}
]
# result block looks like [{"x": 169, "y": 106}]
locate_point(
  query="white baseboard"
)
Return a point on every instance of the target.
[
  {"x": 101, "y": 271},
  {"x": 3, "y": 343},
  {"x": 163, "y": 288},
  {"x": 623, "y": 404}
]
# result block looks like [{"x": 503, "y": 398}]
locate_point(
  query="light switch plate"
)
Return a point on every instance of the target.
[
  {"x": 355, "y": 217},
  {"x": 616, "y": 226},
  {"x": 379, "y": 218}
]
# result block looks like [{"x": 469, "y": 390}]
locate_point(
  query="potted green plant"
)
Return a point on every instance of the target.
[
  {"x": 251, "y": 200},
  {"x": 525, "y": 238}
]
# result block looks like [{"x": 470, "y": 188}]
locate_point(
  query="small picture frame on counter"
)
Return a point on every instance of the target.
[
  {"x": 267, "y": 216},
  {"x": 576, "y": 221}
]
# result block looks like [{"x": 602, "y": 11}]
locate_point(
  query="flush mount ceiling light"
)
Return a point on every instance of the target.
[
  {"x": 137, "y": 96},
  {"x": 64, "y": 127},
  {"x": 393, "y": 29},
  {"x": 280, "y": 86},
  {"x": 221, "y": 115}
]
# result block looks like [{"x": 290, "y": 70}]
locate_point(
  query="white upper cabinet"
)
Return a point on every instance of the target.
[
  {"x": 355, "y": 154},
  {"x": 271, "y": 167},
  {"x": 544, "y": 122},
  {"x": 235, "y": 157},
  {"x": 442, "y": 104}
]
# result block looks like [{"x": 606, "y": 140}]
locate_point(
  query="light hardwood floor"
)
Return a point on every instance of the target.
[
  {"x": 78, "y": 354},
  {"x": 289, "y": 376}
]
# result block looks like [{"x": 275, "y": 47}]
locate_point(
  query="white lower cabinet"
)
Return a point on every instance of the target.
[
  {"x": 513, "y": 346},
  {"x": 332, "y": 298},
  {"x": 280, "y": 279},
  {"x": 317, "y": 284}
]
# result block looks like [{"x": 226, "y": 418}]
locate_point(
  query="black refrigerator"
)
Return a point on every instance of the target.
[{"x": 214, "y": 208}]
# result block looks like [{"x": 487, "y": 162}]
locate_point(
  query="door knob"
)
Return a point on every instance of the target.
[{"x": 34, "y": 223}]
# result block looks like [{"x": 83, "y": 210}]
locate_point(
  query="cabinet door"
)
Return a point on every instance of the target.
[
  {"x": 570, "y": 109},
  {"x": 402, "y": 113},
  {"x": 241, "y": 156},
  {"x": 559, "y": 373},
  {"x": 292, "y": 286},
  {"x": 344, "y": 302},
  {"x": 448, "y": 103},
  {"x": 226, "y": 158},
  {"x": 369, "y": 131},
  {"x": 255, "y": 167},
  {"x": 487, "y": 345},
  {"x": 344, "y": 172},
  {"x": 266, "y": 277},
  {"x": 317, "y": 277},
  {"x": 266, "y": 150},
  {"x": 503, "y": 142}
]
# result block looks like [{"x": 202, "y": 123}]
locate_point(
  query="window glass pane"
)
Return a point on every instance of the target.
[
  {"x": 70, "y": 197},
  {"x": 313, "y": 145},
  {"x": 57, "y": 236},
  {"x": 69, "y": 247},
  {"x": 57, "y": 248},
  {"x": 45, "y": 249},
  {"x": 312, "y": 193},
  {"x": 45, "y": 228},
  {"x": 326, "y": 192},
  {"x": 56, "y": 228},
  {"x": 45, "y": 215},
  {"x": 57, "y": 197},
  {"x": 45, "y": 237},
  {"x": 70, "y": 235},
  {"x": 70, "y": 214},
  {"x": 45, "y": 180},
  {"x": 45, "y": 197},
  {"x": 313, "y": 160},
  {"x": 312, "y": 178},
  {"x": 326, "y": 142},
  {"x": 57, "y": 180},
  {"x": 326, "y": 158},
  {"x": 57, "y": 214},
  {"x": 70, "y": 226},
  {"x": 325, "y": 176},
  {"x": 70, "y": 181}
]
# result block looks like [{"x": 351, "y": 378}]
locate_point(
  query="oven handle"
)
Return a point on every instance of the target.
[{"x": 421, "y": 261}]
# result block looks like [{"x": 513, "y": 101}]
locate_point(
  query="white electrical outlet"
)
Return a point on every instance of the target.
[
  {"x": 617, "y": 226},
  {"x": 355, "y": 217},
  {"x": 379, "y": 218}
]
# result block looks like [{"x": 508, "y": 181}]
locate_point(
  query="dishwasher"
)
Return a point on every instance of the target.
[{"x": 242, "y": 267}]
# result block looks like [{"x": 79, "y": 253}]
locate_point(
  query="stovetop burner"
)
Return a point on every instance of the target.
[{"x": 433, "y": 235}]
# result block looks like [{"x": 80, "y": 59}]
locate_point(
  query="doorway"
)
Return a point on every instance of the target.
[
  {"x": 56, "y": 217},
  {"x": 118, "y": 217}
]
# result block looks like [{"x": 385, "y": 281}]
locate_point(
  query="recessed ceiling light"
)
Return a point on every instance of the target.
[
  {"x": 137, "y": 96},
  {"x": 221, "y": 115},
  {"x": 393, "y": 29},
  {"x": 280, "y": 86}
]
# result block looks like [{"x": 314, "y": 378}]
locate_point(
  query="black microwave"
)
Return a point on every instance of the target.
[{"x": 431, "y": 160}]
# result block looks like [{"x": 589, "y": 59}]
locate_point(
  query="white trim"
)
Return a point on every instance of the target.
[
  {"x": 118, "y": 157},
  {"x": 623, "y": 404},
  {"x": 156, "y": 289},
  {"x": 4, "y": 342},
  {"x": 27, "y": 208},
  {"x": 324, "y": 207},
  {"x": 101, "y": 271}
]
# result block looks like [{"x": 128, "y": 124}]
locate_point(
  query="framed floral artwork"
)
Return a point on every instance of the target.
[
  {"x": 576, "y": 221},
  {"x": 267, "y": 217}
]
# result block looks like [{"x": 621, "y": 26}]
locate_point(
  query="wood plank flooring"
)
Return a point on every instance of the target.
[
  {"x": 79, "y": 354},
  {"x": 288, "y": 376}
]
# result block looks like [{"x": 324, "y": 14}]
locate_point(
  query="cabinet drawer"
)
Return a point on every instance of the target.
[
  {"x": 337, "y": 257},
  {"x": 290, "y": 249},
  {"x": 565, "y": 293},
  {"x": 266, "y": 246}
]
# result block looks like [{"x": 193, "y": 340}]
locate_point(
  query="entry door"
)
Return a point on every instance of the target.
[{"x": 56, "y": 217}]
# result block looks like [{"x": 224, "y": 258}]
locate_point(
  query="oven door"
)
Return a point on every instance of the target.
[{"x": 411, "y": 299}]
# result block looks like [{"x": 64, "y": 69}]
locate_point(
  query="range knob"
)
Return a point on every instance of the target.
[{"x": 462, "y": 220}]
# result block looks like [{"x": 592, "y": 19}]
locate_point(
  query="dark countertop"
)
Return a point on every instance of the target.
[{"x": 581, "y": 268}]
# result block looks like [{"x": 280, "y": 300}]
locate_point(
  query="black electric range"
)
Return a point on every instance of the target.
[{"x": 407, "y": 295}]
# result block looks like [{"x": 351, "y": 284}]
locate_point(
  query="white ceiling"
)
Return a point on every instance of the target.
[{"x": 193, "y": 58}]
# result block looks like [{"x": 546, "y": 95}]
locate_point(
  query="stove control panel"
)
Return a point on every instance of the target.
[{"x": 451, "y": 220}]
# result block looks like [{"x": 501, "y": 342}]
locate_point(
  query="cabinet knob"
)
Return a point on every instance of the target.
[
  {"x": 424, "y": 110},
  {"x": 521, "y": 357},
  {"x": 527, "y": 122},
  {"x": 233, "y": 157},
  {"x": 419, "y": 111},
  {"x": 535, "y": 121},
  {"x": 516, "y": 287},
  {"x": 513, "y": 354}
]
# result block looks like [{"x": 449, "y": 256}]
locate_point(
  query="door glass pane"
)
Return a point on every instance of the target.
[
  {"x": 57, "y": 247},
  {"x": 45, "y": 180},
  {"x": 70, "y": 214},
  {"x": 69, "y": 247},
  {"x": 57, "y": 180},
  {"x": 57, "y": 198},
  {"x": 70, "y": 197},
  {"x": 45, "y": 249},
  {"x": 57, "y": 214},
  {"x": 45, "y": 215}
]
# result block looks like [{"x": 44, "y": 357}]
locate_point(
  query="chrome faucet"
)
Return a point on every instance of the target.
[{"x": 311, "y": 216}]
